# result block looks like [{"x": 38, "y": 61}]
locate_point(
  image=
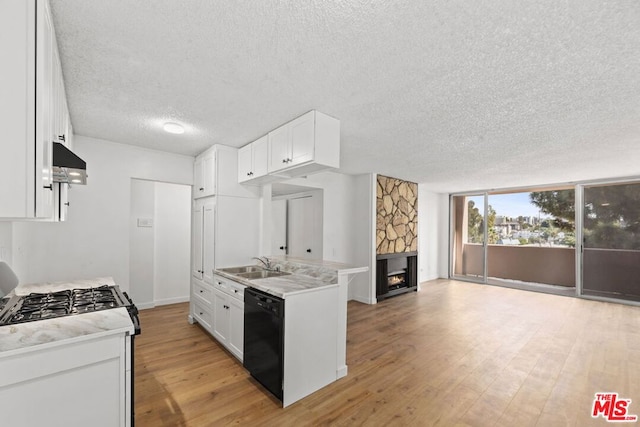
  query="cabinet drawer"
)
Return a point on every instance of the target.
[
  {"x": 236, "y": 290},
  {"x": 202, "y": 291},
  {"x": 221, "y": 284},
  {"x": 229, "y": 287},
  {"x": 203, "y": 314}
]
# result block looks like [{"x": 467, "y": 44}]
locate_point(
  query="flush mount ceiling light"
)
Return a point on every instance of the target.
[{"x": 173, "y": 128}]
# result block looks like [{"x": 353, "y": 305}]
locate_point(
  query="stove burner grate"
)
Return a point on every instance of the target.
[{"x": 40, "y": 306}]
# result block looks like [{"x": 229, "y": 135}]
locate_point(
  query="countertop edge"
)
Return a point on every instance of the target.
[
  {"x": 263, "y": 284},
  {"x": 52, "y": 325},
  {"x": 353, "y": 270}
]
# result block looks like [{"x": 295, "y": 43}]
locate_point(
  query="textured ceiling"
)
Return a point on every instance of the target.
[{"x": 459, "y": 95}]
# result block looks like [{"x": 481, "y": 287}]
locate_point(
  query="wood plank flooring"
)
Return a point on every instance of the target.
[{"x": 455, "y": 353}]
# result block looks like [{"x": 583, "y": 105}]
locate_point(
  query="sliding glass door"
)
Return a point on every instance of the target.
[
  {"x": 611, "y": 236},
  {"x": 469, "y": 237},
  {"x": 522, "y": 238}
]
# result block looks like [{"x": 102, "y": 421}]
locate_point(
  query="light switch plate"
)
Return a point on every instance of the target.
[{"x": 145, "y": 222}]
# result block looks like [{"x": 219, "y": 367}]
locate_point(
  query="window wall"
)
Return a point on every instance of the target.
[
  {"x": 534, "y": 238},
  {"x": 529, "y": 235},
  {"x": 611, "y": 235}
]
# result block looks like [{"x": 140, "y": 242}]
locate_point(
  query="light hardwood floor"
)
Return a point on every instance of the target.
[{"x": 454, "y": 353}]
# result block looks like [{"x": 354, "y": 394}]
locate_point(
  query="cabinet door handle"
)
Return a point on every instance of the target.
[
  {"x": 309, "y": 250},
  {"x": 284, "y": 160},
  {"x": 201, "y": 291},
  {"x": 62, "y": 138},
  {"x": 66, "y": 204},
  {"x": 50, "y": 186}
]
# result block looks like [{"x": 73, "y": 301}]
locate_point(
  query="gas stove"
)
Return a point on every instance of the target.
[{"x": 42, "y": 306}]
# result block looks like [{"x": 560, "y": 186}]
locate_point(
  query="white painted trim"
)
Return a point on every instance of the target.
[{"x": 174, "y": 300}]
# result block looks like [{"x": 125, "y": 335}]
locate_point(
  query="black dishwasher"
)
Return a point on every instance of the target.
[{"x": 264, "y": 339}]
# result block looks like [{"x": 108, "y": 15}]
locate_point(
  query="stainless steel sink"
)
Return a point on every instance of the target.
[
  {"x": 264, "y": 274},
  {"x": 244, "y": 269}
]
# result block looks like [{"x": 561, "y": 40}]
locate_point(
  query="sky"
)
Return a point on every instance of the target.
[{"x": 511, "y": 205}]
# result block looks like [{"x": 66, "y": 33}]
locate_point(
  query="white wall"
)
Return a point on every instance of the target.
[
  {"x": 94, "y": 241},
  {"x": 433, "y": 235},
  {"x": 363, "y": 285},
  {"x": 338, "y": 213},
  {"x": 141, "y": 255},
  {"x": 348, "y": 225},
  {"x": 6, "y": 242}
]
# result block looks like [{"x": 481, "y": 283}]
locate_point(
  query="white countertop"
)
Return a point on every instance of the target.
[
  {"x": 286, "y": 286},
  {"x": 56, "y": 331},
  {"x": 338, "y": 267},
  {"x": 306, "y": 276}
]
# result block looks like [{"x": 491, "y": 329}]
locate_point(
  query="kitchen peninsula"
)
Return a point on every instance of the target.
[{"x": 314, "y": 294}]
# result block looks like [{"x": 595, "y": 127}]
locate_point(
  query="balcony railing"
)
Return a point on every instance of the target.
[
  {"x": 613, "y": 273},
  {"x": 534, "y": 264}
]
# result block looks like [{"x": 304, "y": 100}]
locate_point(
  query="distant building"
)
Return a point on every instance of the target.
[{"x": 506, "y": 241}]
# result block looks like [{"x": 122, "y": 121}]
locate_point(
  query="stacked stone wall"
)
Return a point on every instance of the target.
[{"x": 397, "y": 216}]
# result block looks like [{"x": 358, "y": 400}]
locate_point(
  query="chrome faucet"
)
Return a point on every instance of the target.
[{"x": 265, "y": 261}]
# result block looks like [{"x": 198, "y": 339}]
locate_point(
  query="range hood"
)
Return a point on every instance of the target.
[{"x": 67, "y": 167}]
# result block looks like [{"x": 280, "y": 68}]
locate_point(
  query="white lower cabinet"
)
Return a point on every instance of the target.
[
  {"x": 236, "y": 327},
  {"x": 202, "y": 303},
  {"x": 220, "y": 316},
  {"x": 220, "y": 310},
  {"x": 67, "y": 384}
]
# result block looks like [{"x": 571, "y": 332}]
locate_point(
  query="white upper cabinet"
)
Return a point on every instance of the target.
[
  {"x": 215, "y": 172},
  {"x": 204, "y": 183},
  {"x": 253, "y": 160},
  {"x": 307, "y": 144},
  {"x": 32, "y": 108},
  {"x": 293, "y": 143}
]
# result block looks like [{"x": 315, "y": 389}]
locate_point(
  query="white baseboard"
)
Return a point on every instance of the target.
[
  {"x": 363, "y": 299},
  {"x": 144, "y": 305},
  {"x": 166, "y": 301},
  {"x": 174, "y": 300}
]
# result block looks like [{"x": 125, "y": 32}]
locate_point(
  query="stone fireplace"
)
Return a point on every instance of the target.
[{"x": 396, "y": 236}]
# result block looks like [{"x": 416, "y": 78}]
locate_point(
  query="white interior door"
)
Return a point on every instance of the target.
[
  {"x": 303, "y": 238},
  {"x": 172, "y": 239},
  {"x": 279, "y": 227}
]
